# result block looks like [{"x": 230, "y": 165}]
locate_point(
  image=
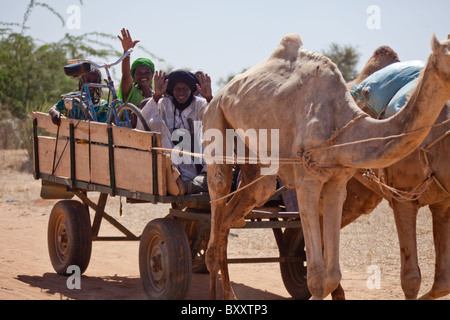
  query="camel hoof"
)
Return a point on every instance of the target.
[{"x": 338, "y": 294}]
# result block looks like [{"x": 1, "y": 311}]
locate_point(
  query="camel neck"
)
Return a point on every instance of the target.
[{"x": 425, "y": 103}]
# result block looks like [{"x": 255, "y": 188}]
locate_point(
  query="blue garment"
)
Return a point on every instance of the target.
[{"x": 101, "y": 111}]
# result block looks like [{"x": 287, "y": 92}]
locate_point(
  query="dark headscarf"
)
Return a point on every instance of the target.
[{"x": 182, "y": 76}]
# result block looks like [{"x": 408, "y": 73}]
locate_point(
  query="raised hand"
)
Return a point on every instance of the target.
[
  {"x": 127, "y": 42},
  {"x": 161, "y": 83},
  {"x": 204, "y": 89}
]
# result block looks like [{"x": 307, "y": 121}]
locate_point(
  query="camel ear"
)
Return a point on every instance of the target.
[{"x": 435, "y": 44}]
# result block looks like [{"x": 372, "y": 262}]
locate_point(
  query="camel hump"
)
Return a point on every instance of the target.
[{"x": 288, "y": 47}]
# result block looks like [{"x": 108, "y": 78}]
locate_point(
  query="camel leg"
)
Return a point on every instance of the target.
[
  {"x": 241, "y": 204},
  {"x": 228, "y": 293},
  {"x": 308, "y": 195},
  {"x": 441, "y": 235},
  {"x": 237, "y": 208},
  {"x": 334, "y": 193},
  {"x": 360, "y": 200},
  {"x": 219, "y": 184},
  {"x": 405, "y": 214}
]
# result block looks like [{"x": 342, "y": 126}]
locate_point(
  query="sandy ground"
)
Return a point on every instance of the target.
[{"x": 26, "y": 272}]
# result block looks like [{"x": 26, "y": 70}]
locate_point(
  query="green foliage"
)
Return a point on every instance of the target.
[
  {"x": 345, "y": 57},
  {"x": 33, "y": 4},
  {"x": 30, "y": 74},
  {"x": 32, "y": 77},
  {"x": 224, "y": 81}
]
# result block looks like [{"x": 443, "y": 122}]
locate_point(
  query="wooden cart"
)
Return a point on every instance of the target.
[{"x": 79, "y": 158}]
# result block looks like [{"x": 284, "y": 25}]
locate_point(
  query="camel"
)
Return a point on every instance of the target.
[
  {"x": 425, "y": 172},
  {"x": 360, "y": 199},
  {"x": 416, "y": 170},
  {"x": 381, "y": 58},
  {"x": 326, "y": 138}
]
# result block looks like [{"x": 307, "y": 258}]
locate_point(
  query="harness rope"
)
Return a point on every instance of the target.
[
  {"x": 415, "y": 194},
  {"x": 305, "y": 160}
]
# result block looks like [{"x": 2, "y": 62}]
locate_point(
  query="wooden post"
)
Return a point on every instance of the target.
[
  {"x": 99, "y": 211},
  {"x": 72, "y": 153},
  {"x": 155, "y": 164},
  {"x": 36, "y": 150},
  {"x": 112, "y": 173}
]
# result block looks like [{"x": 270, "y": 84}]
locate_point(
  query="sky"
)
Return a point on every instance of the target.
[{"x": 225, "y": 37}]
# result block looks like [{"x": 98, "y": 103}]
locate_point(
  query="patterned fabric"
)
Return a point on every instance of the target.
[{"x": 101, "y": 111}]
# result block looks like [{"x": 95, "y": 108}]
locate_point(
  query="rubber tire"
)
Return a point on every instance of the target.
[
  {"x": 198, "y": 262},
  {"x": 134, "y": 110},
  {"x": 69, "y": 236},
  {"x": 164, "y": 241},
  {"x": 293, "y": 273}
]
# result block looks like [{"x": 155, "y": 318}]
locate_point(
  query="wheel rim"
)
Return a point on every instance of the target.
[
  {"x": 61, "y": 239},
  {"x": 157, "y": 264}
]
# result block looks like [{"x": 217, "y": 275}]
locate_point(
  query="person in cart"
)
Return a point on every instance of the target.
[
  {"x": 173, "y": 111},
  {"x": 100, "y": 106},
  {"x": 136, "y": 84}
]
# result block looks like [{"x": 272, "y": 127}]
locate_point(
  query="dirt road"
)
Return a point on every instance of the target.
[{"x": 369, "y": 250}]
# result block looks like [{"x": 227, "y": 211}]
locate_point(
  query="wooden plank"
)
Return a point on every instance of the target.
[
  {"x": 161, "y": 163},
  {"x": 97, "y": 131},
  {"x": 46, "y": 151},
  {"x": 133, "y": 170},
  {"x": 131, "y": 166}
]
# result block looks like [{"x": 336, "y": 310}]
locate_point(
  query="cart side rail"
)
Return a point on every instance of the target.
[{"x": 99, "y": 154}]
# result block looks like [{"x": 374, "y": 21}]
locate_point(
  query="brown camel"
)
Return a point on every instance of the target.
[
  {"x": 303, "y": 95},
  {"x": 360, "y": 199},
  {"x": 425, "y": 172},
  {"x": 381, "y": 58}
]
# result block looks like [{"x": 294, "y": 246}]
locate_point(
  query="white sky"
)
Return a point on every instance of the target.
[{"x": 223, "y": 37}]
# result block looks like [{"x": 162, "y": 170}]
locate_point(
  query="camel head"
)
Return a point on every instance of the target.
[
  {"x": 441, "y": 59},
  {"x": 381, "y": 58}
]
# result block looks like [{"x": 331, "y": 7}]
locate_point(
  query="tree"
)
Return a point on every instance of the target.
[
  {"x": 223, "y": 81},
  {"x": 345, "y": 57},
  {"x": 32, "y": 74}
]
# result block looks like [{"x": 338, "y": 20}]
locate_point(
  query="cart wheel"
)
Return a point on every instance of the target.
[
  {"x": 69, "y": 236},
  {"x": 165, "y": 260},
  {"x": 192, "y": 231},
  {"x": 128, "y": 114},
  {"x": 293, "y": 273}
]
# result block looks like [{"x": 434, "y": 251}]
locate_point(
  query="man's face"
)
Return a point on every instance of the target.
[
  {"x": 181, "y": 92},
  {"x": 143, "y": 76}
]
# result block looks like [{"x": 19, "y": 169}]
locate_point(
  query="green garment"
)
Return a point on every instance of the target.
[{"x": 135, "y": 96}]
